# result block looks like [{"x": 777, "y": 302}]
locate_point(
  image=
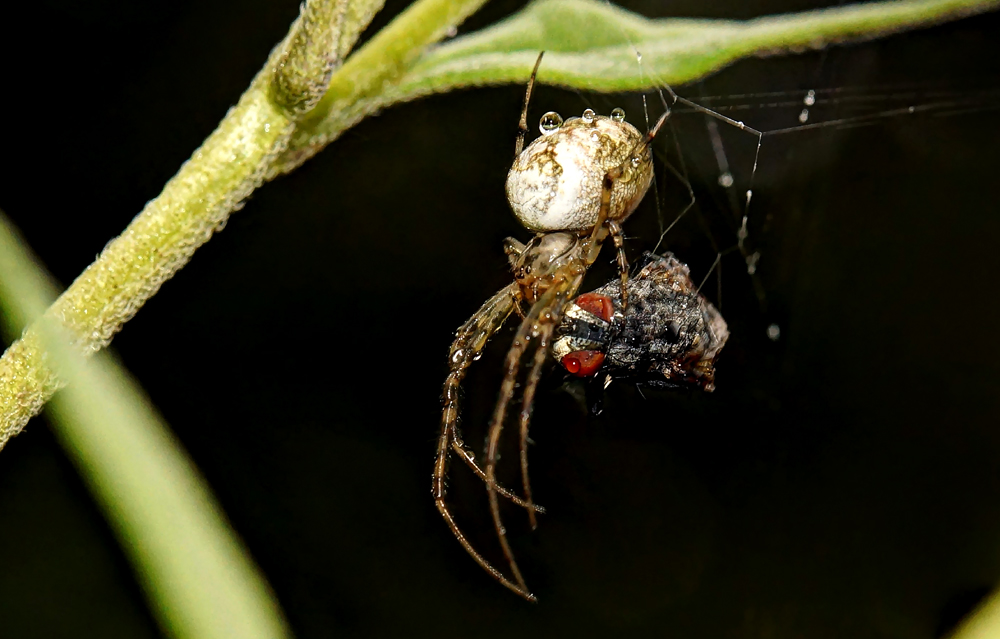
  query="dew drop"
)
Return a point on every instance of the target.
[
  {"x": 452, "y": 31},
  {"x": 550, "y": 122},
  {"x": 636, "y": 161},
  {"x": 726, "y": 180},
  {"x": 810, "y": 98},
  {"x": 912, "y": 109},
  {"x": 457, "y": 356},
  {"x": 618, "y": 114},
  {"x": 749, "y": 195},
  {"x": 774, "y": 332},
  {"x": 804, "y": 116},
  {"x": 589, "y": 115},
  {"x": 638, "y": 57}
]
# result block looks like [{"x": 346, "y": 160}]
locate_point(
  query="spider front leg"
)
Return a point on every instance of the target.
[
  {"x": 537, "y": 328},
  {"x": 614, "y": 227},
  {"x": 605, "y": 227},
  {"x": 527, "y": 401},
  {"x": 513, "y": 248},
  {"x": 522, "y": 125},
  {"x": 468, "y": 345},
  {"x": 469, "y": 342}
]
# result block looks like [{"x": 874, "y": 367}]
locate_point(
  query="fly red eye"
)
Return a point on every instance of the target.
[
  {"x": 599, "y": 305},
  {"x": 583, "y": 363}
]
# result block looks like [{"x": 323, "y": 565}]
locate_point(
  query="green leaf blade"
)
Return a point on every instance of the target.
[
  {"x": 591, "y": 45},
  {"x": 200, "y": 581}
]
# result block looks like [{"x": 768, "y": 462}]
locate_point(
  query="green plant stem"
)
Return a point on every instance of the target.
[
  {"x": 983, "y": 622},
  {"x": 370, "y": 72},
  {"x": 161, "y": 239},
  {"x": 591, "y": 45},
  {"x": 213, "y": 183},
  {"x": 199, "y": 579},
  {"x": 271, "y": 131}
]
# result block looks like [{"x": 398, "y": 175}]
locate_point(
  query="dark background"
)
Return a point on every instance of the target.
[{"x": 841, "y": 482}]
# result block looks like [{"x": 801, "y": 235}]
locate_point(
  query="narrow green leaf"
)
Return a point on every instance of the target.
[
  {"x": 198, "y": 577},
  {"x": 983, "y": 623},
  {"x": 246, "y": 148},
  {"x": 589, "y": 43}
]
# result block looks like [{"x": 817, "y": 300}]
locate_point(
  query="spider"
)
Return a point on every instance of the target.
[
  {"x": 668, "y": 336},
  {"x": 573, "y": 187}
]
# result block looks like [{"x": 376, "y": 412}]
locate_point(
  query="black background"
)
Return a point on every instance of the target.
[{"x": 841, "y": 482}]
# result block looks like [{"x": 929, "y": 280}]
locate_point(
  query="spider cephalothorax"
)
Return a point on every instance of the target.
[
  {"x": 573, "y": 186},
  {"x": 668, "y": 335}
]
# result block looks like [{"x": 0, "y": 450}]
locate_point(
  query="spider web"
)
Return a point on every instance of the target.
[{"x": 718, "y": 190}]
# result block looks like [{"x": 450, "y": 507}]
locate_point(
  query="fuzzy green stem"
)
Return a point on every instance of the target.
[
  {"x": 372, "y": 70},
  {"x": 302, "y": 73},
  {"x": 159, "y": 241},
  {"x": 271, "y": 130},
  {"x": 213, "y": 183}
]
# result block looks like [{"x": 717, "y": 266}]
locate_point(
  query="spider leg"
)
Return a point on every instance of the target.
[
  {"x": 539, "y": 323},
  {"x": 518, "y": 307},
  {"x": 601, "y": 228},
  {"x": 527, "y": 400},
  {"x": 512, "y": 248},
  {"x": 656, "y": 127},
  {"x": 519, "y": 311},
  {"x": 616, "y": 236},
  {"x": 469, "y": 342},
  {"x": 605, "y": 226},
  {"x": 443, "y": 509},
  {"x": 522, "y": 125},
  {"x": 459, "y": 447}
]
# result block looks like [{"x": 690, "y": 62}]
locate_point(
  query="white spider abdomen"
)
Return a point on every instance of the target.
[{"x": 555, "y": 183}]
